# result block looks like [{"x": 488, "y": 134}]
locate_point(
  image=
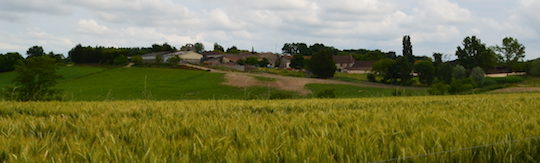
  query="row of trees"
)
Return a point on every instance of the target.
[
  {"x": 474, "y": 58},
  {"x": 9, "y": 61}
]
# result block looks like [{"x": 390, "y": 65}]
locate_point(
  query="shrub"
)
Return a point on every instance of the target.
[
  {"x": 459, "y": 72},
  {"x": 173, "y": 61},
  {"x": 120, "y": 60},
  {"x": 478, "y": 76},
  {"x": 439, "y": 89},
  {"x": 327, "y": 93},
  {"x": 35, "y": 80},
  {"x": 371, "y": 77},
  {"x": 534, "y": 69},
  {"x": 137, "y": 60},
  {"x": 461, "y": 86}
]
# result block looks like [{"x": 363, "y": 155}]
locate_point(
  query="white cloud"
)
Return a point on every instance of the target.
[
  {"x": 89, "y": 26},
  {"x": 435, "y": 25}
]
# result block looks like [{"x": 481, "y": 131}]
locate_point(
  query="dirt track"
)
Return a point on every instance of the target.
[{"x": 286, "y": 83}]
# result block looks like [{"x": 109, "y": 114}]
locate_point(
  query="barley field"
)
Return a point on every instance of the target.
[{"x": 473, "y": 128}]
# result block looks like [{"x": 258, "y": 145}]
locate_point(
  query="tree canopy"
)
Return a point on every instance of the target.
[
  {"x": 475, "y": 53},
  {"x": 322, "y": 64}
]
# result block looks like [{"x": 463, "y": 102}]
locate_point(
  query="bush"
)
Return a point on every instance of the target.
[
  {"x": 371, "y": 77},
  {"x": 534, "y": 69},
  {"x": 478, "y": 76},
  {"x": 459, "y": 72},
  {"x": 173, "y": 61},
  {"x": 120, "y": 60},
  {"x": 35, "y": 80},
  {"x": 327, "y": 93},
  {"x": 439, "y": 89},
  {"x": 462, "y": 86},
  {"x": 426, "y": 72},
  {"x": 137, "y": 60}
]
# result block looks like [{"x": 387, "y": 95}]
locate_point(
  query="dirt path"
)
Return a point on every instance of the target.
[
  {"x": 517, "y": 90},
  {"x": 287, "y": 83}
]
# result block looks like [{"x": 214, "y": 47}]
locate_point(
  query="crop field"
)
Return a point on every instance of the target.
[{"x": 473, "y": 128}]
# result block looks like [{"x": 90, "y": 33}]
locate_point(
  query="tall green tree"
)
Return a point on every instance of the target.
[
  {"x": 426, "y": 72},
  {"x": 199, "y": 47},
  {"x": 9, "y": 60},
  {"x": 297, "y": 62},
  {"x": 35, "y": 80},
  {"x": 511, "y": 50},
  {"x": 403, "y": 70},
  {"x": 218, "y": 48},
  {"x": 474, "y": 53},
  {"x": 407, "y": 49},
  {"x": 35, "y": 51},
  {"x": 322, "y": 64},
  {"x": 437, "y": 59}
]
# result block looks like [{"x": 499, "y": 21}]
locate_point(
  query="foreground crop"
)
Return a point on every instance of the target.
[{"x": 498, "y": 127}]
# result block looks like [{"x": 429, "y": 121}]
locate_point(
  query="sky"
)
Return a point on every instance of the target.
[{"x": 265, "y": 25}]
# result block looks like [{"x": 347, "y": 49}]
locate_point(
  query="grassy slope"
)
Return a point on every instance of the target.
[
  {"x": 96, "y": 83},
  {"x": 343, "y": 130}
]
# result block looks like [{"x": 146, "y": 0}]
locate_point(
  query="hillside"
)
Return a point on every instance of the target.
[
  {"x": 473, "y": 128},
  {"x": 89, "y": 83}
]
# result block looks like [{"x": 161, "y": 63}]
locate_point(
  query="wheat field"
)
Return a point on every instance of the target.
[{"x": 473, "y": 128}]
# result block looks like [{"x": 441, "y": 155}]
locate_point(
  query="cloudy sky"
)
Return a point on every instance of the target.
[{"x": 434, "y": 25}]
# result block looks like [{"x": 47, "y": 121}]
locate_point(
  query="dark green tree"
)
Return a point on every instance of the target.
[
  {"x": 199, "y": 47},
  {"x": 437, "y": 59},
  {"x": 403, "y": 69},
  {"x": 158, "y": 59},
  {"x": 218, "y": 48},
  {"x": 322, "y": 64},
  {"x": 263, "y": 62},
  {"x": 233, "y": 50},
  {"x": 297, "y": 62},
  {"x": 534, "y": 69},
  {"x": 120, "y": 60},
  {"x": 35, "y": 80},
  {"x": 137, "y": 60},
  {"x": 383, "y": 68},
  {"x": 9, "y": 60},
  {"x": 444, "y": 73},
  {"x": 426, "y": 72},
  {"x": 474, "y": 53},
  {"x": 511, "y": 50},
  {"x": 35, "y": 51},
  {"x": 407, "y": 49}
]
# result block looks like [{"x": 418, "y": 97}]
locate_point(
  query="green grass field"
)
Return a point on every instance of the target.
[
  {"x": 473, "y": 128},
  {"x": 91, "y": 83},
  {"x": 98, "y": 83}
]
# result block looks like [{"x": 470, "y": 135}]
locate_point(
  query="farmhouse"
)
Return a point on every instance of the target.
[
  {"x": 360, "y": 67},
  {"x": 343, "y": 62},
  {"x": 186, "y": 56}
]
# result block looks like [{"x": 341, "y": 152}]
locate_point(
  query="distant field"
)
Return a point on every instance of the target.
[
  {"x": 475, "y": 128},
  {"x": 90, "y": 83},
  {"x": 98, "y": 83}
]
